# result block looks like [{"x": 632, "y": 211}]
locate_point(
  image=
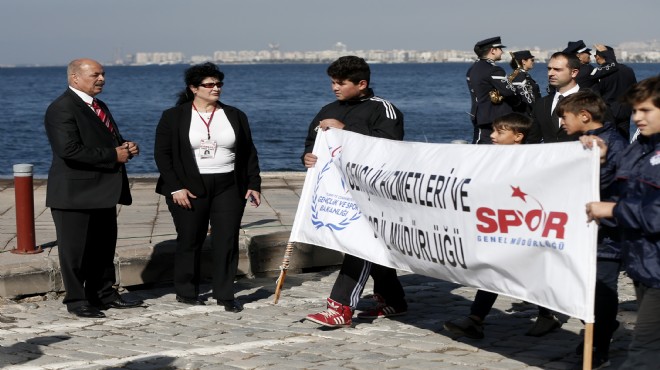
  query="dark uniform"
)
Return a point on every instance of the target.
[
  {"x": 614, "y": 79},
  {"x": 485, "y": 77},
  {"x": 583, "y": 78},
  {"x": 526, "y": 88}
]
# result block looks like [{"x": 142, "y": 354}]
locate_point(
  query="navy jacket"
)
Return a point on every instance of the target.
[
  {"x": 614, "y": 79},
  {"x": 584, "y": 78},
  {"x": 637, "y": 212},
  {"x": 609, "y": 239}
]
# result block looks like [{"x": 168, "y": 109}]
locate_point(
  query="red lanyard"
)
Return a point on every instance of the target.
[{"x": 208, "y": 124}]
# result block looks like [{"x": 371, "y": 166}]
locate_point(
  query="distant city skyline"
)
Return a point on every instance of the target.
[
  {"x": 626, "y": 52},
  {"x": 39, "y": 32}
]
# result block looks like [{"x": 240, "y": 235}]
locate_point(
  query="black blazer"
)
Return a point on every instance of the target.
[
  {"x": 546, "y": 125},
  {"x": 84, "y": 173},
  {"x": 175, "y": 158}
]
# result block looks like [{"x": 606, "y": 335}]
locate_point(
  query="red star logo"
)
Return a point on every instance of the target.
[{"x": 518, "y": 193}]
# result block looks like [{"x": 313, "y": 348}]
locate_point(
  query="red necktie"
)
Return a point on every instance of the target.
[{"x": 102, "y": 116}]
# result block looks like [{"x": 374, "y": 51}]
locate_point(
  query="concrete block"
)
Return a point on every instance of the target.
[
  {"x": 267, "y": 252},
  {"x": 30, "y": 277}
]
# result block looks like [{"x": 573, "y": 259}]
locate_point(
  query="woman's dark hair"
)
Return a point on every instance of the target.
[
  {"x": 514, "y": 63},
  {"x": 194, "y": 76},
  {"x": 482, "y": 51}
]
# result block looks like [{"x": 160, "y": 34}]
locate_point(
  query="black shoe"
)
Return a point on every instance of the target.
[
  {"x": 465, "y": 326},
  {"x": 231, "y": 305},
  {"x": 86, "y": 311},
  {"x": 190, "y": 301},
  {"x": 544, "y": 325},
  {"x": 121, "y": 303},
  {"x": 599, "y": 361}
]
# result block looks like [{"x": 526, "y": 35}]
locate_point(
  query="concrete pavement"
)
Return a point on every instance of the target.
[
  {"x": 170, "y": 335},
  {"x": 146, "y": 238}
]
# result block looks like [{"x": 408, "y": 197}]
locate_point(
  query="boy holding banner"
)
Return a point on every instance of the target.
[
  {"x": 637, "y": 215},
  {"x": 583, "y": 113},
  {"x": 357, "y": 109},
  {"x": 509, "y": 129}
]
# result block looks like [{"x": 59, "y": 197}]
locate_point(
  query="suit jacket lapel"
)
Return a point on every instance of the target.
[
  {"x": 555, "y": 118},
  {"x": 547, "y": 115},
  {"x": 185, "y": 116},
  {"x": 93, "y": 118}
]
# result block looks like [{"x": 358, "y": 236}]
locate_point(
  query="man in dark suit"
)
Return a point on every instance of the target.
[
  {"x": 86, "y": 181},
  {"x": 491, "y": 93},
  {"x": 563, "y": 68}
]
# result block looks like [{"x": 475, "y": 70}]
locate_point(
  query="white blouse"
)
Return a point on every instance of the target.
[{"x": 222, "y": 161}]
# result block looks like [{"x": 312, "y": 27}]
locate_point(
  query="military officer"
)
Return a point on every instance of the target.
[
  {"x": 491, "y": 93},
  {"x": 583, "y": 53},
  {"x": 529, "y": 91}
]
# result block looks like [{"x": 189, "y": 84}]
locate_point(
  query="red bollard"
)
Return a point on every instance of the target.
[{"x": 24, "y": 210}]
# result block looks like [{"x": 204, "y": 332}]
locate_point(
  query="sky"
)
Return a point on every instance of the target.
[{"x": 53, "y": 32}]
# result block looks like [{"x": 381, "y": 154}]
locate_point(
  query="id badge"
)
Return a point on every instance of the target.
[{"x": 207, "y": 149}]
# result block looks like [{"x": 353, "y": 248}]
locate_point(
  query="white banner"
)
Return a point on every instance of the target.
[{"x": 504, "y": 218}]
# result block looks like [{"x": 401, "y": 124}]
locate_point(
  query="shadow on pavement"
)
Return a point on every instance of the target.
[
  {"x": 24, "y": 352},
  {"x": 258, "y": 223},
  {"x": 431, "y": 303},
  {"x": 155, "y": 362}
]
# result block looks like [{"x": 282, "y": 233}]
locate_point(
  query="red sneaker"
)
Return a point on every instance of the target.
[
  {"x": 382, "y": 310},
  {"x": 337, "y": 315}
]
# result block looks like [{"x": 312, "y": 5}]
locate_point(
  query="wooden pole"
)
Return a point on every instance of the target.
[
  {"x": 588, "y": 346},
  {"x": 283, "y": 269}
]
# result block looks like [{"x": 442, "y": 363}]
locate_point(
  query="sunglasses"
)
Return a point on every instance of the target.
[{"x": 209, "y": 85}]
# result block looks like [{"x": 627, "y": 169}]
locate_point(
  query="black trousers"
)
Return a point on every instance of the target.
[
  {"x": 606, "y": 302},
  {"x": 223, "y": 207},
  {"x": 86, "y": 244},
  {"x": 644, "y": 350},
  {"x": 353, "y": 277},
  {"x": 484, "y": 301}
]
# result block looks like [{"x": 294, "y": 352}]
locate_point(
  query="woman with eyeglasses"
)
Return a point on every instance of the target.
[{"x": 208, "y": 170}]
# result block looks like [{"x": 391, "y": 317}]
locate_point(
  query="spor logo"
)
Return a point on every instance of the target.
[{"x": 532, "y": 217}]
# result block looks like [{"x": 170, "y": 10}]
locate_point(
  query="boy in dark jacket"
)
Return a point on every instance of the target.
[
  {"x": 583, "y": 113},
  {"x": 357, "y": 109},
  {"x": 637, "y": 215},
  {"x": 509, "y": 129}
]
